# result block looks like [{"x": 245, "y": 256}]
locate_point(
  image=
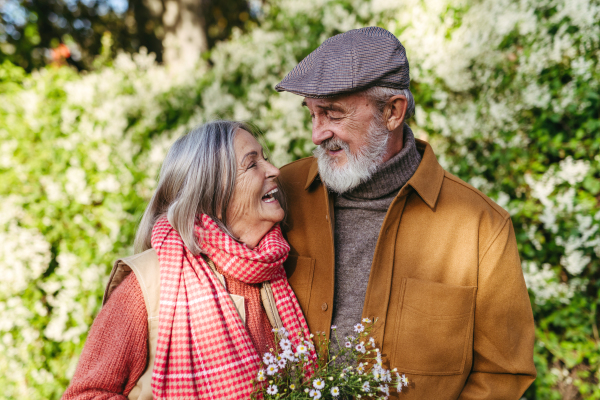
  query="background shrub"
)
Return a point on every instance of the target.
[{"x": 507, "y": 93}]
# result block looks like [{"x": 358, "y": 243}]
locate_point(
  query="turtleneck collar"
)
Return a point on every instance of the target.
[{"x": 390, "y": 176}]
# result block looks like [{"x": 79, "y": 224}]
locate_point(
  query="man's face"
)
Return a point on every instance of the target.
[
  {"x": 351, "y": 140},
  {"x": 346, "y": 118}
]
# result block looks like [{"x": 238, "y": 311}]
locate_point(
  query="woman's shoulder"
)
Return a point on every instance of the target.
[{"x": 127, "y": 300}]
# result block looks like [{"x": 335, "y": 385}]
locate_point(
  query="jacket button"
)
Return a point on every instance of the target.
[{"x": 324, "y": 307}]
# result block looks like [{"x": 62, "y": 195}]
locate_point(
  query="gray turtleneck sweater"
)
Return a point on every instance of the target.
[{"x": 359, "y": 215}]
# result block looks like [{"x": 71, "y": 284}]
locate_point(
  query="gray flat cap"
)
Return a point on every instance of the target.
[{"x": 349, "y": 62}]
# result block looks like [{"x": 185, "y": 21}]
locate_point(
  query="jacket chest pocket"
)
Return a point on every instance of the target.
[{"x": 434, "y": 327}]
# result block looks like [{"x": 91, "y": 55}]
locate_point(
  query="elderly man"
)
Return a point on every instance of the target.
[{"x": 379, "y": 230}]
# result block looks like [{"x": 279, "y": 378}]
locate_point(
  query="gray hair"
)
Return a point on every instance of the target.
[
  {"x": 379, "y": 96},
  {"x": 197, "y": 176}
]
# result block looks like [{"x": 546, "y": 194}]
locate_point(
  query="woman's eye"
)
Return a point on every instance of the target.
[{"x": 252, "y": 165}]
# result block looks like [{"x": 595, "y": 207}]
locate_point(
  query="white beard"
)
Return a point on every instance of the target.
[{"x": 359, "y": 167}]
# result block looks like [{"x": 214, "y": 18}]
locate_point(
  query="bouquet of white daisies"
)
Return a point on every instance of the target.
[{"x": 354, "y": 369}]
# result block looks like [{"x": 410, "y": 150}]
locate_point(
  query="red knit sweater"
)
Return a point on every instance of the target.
[{"x": 115, "y": 354}]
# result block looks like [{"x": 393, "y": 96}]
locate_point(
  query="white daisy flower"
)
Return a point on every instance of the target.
[
  {"x": 385, "y": 389},
  {"x": 272, "y": 369},
  {"x": 287, "y": 355},
  {"x": 335, "y": 391},
  {"x": 360, "y": 368},
  {"x": 366, "y": 320},
  {"x": 366, "y": 387},
  {"x": 361, "y": 348},
  {"x": 386, "y": 376},
  {"x": 292, "y": 387},
  {"x": 404, "y": 380},
  {"x": 283, "y": 331},
  {"x": 348, "y": 345},
  {"x": 281, "y": 363},
  {"x": 261, "y": 375},
  {"x": 319, "y": 383},
  {"x": 268, "y": 358},
  {"x": 372, "y": 342},
  {"x": 285, "y": 344},
  {"x": 272, "y": 389},
  {"x": 315, "y": 394},
  {"x": 334, "y": 327},
  {"x": 358, "y": 328},
  {"x": 302, "y": 349}
]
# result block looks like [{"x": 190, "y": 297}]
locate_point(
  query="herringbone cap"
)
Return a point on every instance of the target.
[{"x": 349, "y": 62}]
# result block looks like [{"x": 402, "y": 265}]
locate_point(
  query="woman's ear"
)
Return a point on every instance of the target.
[{"x": 395, "y": 112}]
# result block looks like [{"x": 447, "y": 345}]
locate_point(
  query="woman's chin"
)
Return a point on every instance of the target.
[{"x": 274, "y": 216}]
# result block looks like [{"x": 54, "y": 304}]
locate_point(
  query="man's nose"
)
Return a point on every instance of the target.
[{"x": 320, "y": 131}]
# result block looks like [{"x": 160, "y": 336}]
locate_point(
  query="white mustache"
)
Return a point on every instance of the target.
[{"x": 334, "y": 143}]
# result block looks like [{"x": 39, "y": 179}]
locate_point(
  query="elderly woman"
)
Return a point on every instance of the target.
[{"x": 208, "y": 284}]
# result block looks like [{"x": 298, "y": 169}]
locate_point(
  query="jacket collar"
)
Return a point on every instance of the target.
[{"x": 427, "y": 180}]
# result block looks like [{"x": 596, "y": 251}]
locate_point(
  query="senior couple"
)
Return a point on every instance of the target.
[{"x": 374, "y": 227}]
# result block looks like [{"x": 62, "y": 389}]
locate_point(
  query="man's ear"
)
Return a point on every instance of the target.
[{"x": 395, "y": 111}]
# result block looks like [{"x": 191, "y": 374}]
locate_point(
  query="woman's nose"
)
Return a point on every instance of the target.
[{"x": 272, "y": 171}]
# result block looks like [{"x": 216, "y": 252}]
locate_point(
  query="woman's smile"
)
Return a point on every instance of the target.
[{"x": 268, "y": 197}]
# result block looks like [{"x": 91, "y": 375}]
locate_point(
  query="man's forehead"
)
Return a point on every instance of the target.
[{"x": 342, "y": 101}]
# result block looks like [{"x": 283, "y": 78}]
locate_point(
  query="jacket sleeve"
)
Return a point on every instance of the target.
[
  {"x": 504, "y": 331},
  {"x": 115, "y": 353}
]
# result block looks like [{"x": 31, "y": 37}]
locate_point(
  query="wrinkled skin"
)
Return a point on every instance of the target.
[
  {"x": 250, "y": 215},
  {"x": 348, "y": 117}
]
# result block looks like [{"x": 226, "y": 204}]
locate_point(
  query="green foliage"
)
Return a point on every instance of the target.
[{"x": 507, "y": 93}]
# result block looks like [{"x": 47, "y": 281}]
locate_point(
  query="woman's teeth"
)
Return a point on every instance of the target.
[{"x": 268, "y": 198}]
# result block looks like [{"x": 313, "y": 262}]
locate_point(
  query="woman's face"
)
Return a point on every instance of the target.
[{"x": 253, "y": 209}]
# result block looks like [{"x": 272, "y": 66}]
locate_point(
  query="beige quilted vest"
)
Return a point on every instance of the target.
[{"x": 146, "y": 268}]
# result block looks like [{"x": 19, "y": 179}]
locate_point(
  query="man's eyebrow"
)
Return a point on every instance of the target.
[
  {"x": 331, "y": 107},
  {"x": 252, "y": 153},
  {"x": 327, "y": 107}
]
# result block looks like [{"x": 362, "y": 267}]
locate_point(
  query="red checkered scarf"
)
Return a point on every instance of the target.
[{"x": 204, "y": 351}]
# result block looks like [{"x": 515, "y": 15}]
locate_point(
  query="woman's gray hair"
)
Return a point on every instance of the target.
[
  {"x": 197, "y": 176},
  {"x": 379, "y": 96}
]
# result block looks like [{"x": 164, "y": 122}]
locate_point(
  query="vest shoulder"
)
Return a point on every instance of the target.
[
  {"x": 146, "y": 269},
  {"x": 147, "y": 259},
  {"x": 470, "y": 196}
]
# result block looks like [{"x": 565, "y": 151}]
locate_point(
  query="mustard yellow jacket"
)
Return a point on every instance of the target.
[{"x": 446, "y": 282}]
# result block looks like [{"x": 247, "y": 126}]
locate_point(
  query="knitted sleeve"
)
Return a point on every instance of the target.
[{"x": 115, "y": 353}]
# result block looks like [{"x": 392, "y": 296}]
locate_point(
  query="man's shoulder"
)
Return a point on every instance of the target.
[
  {"x": 297, "y": 167},
  {"x": 459, "y": 193},
  {"x": 295, "y": 174}
]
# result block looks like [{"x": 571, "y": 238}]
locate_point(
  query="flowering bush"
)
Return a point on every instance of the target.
[
  {"x": 506, "y": 91},
  {"x": 355, "y": 370}
]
